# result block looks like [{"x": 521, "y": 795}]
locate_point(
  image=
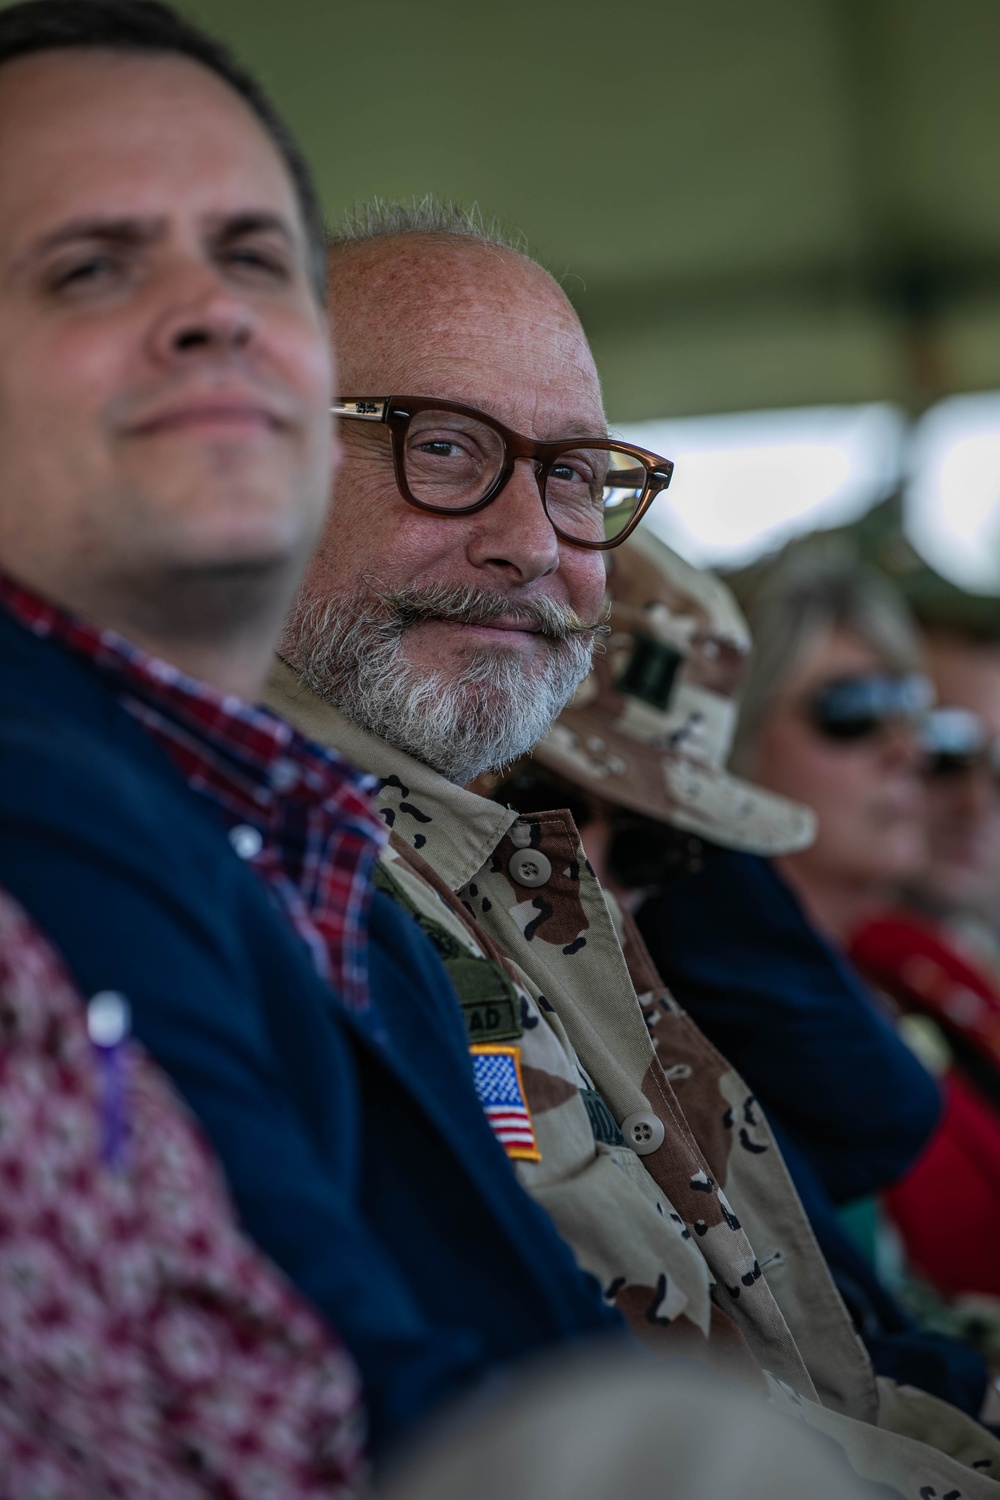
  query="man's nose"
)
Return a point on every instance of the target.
[
  {"x": 514, "y": 535},
  {"x": 201, "y": 315}
]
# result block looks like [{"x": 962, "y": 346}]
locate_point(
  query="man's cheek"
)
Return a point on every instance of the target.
[{"x": 585, "y": 579}]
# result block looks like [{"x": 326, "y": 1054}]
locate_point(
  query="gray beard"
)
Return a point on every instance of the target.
[{"x": 351, "y": 651}]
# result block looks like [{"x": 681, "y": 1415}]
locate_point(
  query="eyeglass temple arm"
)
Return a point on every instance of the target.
[
  {"x": 369, "y": 408},
  {"x": 656, "y": 479},
  {"x": 661, "y": 475}
]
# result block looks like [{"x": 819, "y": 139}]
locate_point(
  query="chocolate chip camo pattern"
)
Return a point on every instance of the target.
[{"x": 703, "y": 1244}]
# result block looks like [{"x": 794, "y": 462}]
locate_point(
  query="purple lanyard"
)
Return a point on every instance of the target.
[{"x": 109, "y": 1020}]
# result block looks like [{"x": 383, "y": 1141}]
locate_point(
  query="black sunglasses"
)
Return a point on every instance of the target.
[
  {"x": 860, "y": 707},
  {"x": 957, "y": 741}
]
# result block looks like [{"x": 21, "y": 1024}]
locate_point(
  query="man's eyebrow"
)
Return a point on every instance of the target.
[
  {"x": 131, "y": 231},
  {"x": 571, "y": 431},
  {"x": 121, "y": 231},
  {"x": 252, "y": 221},
  {"x": 576, "y": 431},
  {"x": 579, "y": 432}
]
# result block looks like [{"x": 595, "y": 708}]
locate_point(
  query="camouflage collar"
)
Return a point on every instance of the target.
[{"x": 456, "y": 830}]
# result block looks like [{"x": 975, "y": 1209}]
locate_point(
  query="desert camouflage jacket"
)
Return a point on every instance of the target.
[{"x": 593, "y": 1052}]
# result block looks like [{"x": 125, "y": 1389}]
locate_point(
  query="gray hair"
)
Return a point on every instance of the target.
[
  {"x": 350, "y": 650},
  {"x": 380, "y": 219},
  {"x": 796, "y": 599}
]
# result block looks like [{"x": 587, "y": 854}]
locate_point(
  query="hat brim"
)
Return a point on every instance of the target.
[{"x": 677, "y": 789}]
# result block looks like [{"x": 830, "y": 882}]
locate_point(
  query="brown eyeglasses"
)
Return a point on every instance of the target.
[{"x": 452, "y": 460}]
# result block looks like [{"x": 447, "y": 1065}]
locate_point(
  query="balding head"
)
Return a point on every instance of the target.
[
  {"x": 451, "y": 311},
  {"x": 451, "y": 317}
]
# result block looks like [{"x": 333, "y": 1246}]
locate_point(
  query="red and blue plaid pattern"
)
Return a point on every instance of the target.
[{"x": 319, "y": 833}]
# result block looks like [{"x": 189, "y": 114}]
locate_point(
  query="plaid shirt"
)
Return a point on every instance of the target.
[{"x": 298, "y": 813}]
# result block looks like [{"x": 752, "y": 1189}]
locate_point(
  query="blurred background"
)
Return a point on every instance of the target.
[{"x": 780, "y": 223}]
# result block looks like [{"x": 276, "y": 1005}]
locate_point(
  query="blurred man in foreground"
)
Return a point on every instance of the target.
[
  {"x": 165, "y": 465},
  {"x": 445, "y": 619}
]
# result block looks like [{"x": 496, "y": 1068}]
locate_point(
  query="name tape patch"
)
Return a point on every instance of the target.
[{"x": 602, "y": 1121}]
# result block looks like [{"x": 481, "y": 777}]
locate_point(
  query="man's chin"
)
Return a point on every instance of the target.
[{"x": 266, "y": 541}]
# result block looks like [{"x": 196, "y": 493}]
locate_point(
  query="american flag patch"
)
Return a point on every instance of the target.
[{"x": 497, "y": 1073}]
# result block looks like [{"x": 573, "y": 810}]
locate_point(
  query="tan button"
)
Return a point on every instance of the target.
[
  {"x": 644, "y": 1132},
  {"x": 529, "y": 867}
]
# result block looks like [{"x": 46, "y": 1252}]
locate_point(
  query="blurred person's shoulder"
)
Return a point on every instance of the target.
[{"x": 113, "y": 1198}]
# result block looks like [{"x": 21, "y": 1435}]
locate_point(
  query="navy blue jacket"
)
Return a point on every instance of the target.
[
  {"x": 788, "y": 1010},
  {"x": 850, "y": 1104},
  {"x": 355, "y": 1148}
]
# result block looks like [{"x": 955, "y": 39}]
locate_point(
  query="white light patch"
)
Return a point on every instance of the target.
[
  {"x": 744, "y": 484},
  {"x": 953, "y": 500}
]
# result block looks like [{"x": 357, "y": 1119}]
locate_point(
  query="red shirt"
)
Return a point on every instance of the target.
[
  {"x": 297, "y": 812},
  {"x": 147, "y": 1348},
  {"x": 947, "y": 1207}
]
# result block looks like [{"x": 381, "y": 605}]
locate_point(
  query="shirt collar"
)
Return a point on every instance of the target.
[
  {"x": 462, "y": 829},
  {"x": 257, "y": 743},
  {"x": 300, "y": 814}
]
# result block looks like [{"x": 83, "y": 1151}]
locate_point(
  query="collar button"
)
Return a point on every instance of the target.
[
  {"x": 529, "y": 867},
  {"x": 284, "y": 775},
  {"x": 246, "y": 840}
]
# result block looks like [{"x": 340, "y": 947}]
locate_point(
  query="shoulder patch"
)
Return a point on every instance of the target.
[
  {"x": 497, "y": 1072},
  {"x": 490, "y": 1018}
]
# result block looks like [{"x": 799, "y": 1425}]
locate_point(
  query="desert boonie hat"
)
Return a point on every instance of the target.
[{"x": 652, "y": 726}]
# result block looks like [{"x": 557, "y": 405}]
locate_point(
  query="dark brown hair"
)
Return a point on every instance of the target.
[{"x": 151, "y": 26}]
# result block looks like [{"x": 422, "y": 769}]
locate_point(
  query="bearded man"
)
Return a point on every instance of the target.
[{"x": 448, "y": 614}]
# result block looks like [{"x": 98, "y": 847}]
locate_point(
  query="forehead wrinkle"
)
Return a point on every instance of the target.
[
  {"x": 440, "y": 283},
  {"x": 466, "y": 365}
]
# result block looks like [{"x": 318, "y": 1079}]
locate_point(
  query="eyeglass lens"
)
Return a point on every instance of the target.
[{"x": 452, "y": 461}]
